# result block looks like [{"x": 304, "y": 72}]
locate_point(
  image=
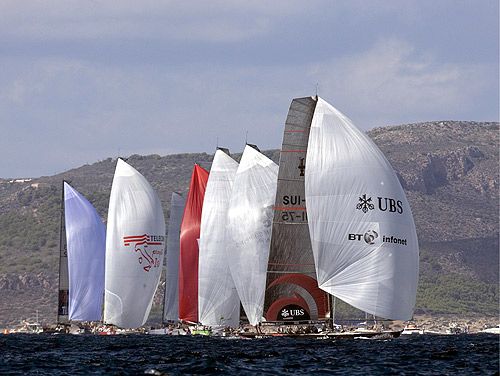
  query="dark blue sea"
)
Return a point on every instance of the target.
[{"x": 163, "y": 355}]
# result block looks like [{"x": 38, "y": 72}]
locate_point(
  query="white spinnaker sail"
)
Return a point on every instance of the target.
[
  {"x": 250, "y": 217},
  {"x": 171, "y": 302},
  {"x": 362, "y": 230},
  {"x": 218, "y": 302},
  {"x": 86, "y": 244},
  {"x": 135, "y": 244}
]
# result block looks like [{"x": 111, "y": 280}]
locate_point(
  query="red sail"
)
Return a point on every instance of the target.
[{"x": 190, "y": 233}]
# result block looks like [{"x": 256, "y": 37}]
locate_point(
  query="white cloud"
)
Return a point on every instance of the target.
[
  {"x": 207, "y": 21},
  {"x": 97, "y": 108},
  {"x": 81, "y": 79},
  {"x": 392, "y": 82}
]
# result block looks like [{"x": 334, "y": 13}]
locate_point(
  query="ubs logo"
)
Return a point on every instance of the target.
[
  {"x": 365, "y": 204},
  {"x": 293, "y": 312},
  {"x": 384, "y": 204}
]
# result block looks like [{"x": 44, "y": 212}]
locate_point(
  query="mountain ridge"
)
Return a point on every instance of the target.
[{"x": 449, "y": 170}]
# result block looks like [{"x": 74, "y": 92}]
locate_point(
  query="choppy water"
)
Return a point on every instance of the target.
[{"x": 140, "y": 354}]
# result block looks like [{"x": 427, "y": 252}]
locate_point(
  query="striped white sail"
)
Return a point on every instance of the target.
[
  {"x": 86, "y": 244},
  {"x": 171, "y": 302},
  {"x": 218, "y": 302},
  {"x": 250, "y": 216},
  {"x": 134, "y": 248},
  {"x": 361, "y": 226}
]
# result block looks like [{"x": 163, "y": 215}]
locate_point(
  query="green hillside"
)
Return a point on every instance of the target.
[{"x": 449, "y": 171}]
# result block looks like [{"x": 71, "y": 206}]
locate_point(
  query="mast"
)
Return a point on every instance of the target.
[
  {"x": 63, "y": 297},
  {"x": 164, "y": 290},
  {"x": 333, "y": 309}
]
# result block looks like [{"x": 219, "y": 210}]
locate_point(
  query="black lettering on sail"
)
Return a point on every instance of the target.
[
  {"x": 390, "y": 204},
  {"x": 384, "y": 208},
  {"x": 400, "y": 207},
  {"x": 302, "y": 166}
]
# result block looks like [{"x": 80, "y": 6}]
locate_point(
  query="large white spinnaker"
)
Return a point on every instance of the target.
[
  {"x": 86, "y": 244},
  {"x": 361, "y": 226},
  {"x": 135, "y": 244},
  {"x": 218, "y": 302},
  {"x": 171, "y": 301},
  {"x": 250, "y": 217}
]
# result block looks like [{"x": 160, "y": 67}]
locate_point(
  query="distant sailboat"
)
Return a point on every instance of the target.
[
  {"x": 361, "y": 226},
  {"x": 82, "y": 257},
  {"x": 249, "y": 229},
  {"x": 190, "y": 234},
  {"x": 171, "y": 300},
  {"x": 218, "y": 302},
  {"x": 86, "y": 244},
  {"x": 135, "y": 245}
]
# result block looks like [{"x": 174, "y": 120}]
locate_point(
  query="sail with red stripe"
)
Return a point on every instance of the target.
[
  {"x": 292, "y": 291},
  {"x": 190, "y": 234},
  {"x": 135, "y": 244}
]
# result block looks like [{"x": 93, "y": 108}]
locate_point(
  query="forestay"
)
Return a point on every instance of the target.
[
  {"x": 362, "y": 230},
  {"x": 86, "y": 244},
  {"x": 171, "y": 301},
  {"x": 135, "y": 245},
  {"x": 250, "y": 217},
  {"x": 218, "y": 302}
]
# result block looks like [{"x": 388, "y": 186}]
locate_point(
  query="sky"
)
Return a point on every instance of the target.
[{"x": 81, "y": 81}]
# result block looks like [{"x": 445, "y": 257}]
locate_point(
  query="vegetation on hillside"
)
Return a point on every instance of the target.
[{"x": 449, "y": 171}]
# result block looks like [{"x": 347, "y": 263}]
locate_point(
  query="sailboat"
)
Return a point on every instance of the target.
[
  {"x": 189, "y": 237},
  {"x": 81, "y": 276},
  {"x": 218, "y": 301},
  {"x": 171, "y": 299},
  {"x": 362, "y": 230},
  {"x": 135, "y": 245},
  {"x": 342, "y": 223},
  {"x": 249, "y": 221}
]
